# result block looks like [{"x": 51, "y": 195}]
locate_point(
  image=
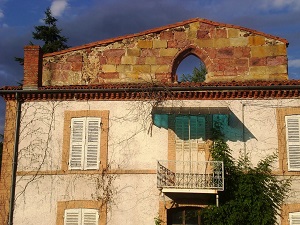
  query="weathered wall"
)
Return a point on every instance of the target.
[
  {"x": 132, "y": 155},
  {"x": 229, "y": 53}
]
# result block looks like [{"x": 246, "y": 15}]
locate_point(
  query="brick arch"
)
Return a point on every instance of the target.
[{"x": 201, "y": 54}]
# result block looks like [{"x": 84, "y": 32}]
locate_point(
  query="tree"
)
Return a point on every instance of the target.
[
  {"x": 252, "y": 195},
  {"x": 198, "y": 74},
  {"x": 49, "y": 34}
]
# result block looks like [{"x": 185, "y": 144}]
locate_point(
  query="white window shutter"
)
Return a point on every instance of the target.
[
  {"x": 293, "y": 142},
  {"x": 90, "y": 217},
  {"x": 93, "y": 131},
  {"x": 77, "y": 143},
  {"x": 294, "y": 218},
  {"x": 72, "y": 217}
]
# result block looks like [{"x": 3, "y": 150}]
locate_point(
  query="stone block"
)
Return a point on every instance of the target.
[
  {"x": 166, "y": 35},
  {"x": 159, "y": 43},
  {"x": 276, "y": 69},
  {"x": 133, "y": 52},
  {"x": 233, "y": 33},
  {"x": 258, "y": 52},
  {"x": 179, "y": 35},
  {"x": 145, "y": 44},
  {"x": 128, "y": 60},
  {"x": 258, "y": 70},
  {"x": 240, "y": 41},
  {"x": 256, "y": 40},
  {"x": 168, "y": 52},
  {"x": 160, "y": 68},
  {"x": 109, "y": 68},
  {"x": 221, "y": 42},
  {"x": 194, "y": 26},
  {"x": 124, "y": 68},
  {"x": 141, "y": 68},
  {"x": 276, "y": 60},
  {"x": 204, "y": 43},
  {"x": 150, "y": 60}
]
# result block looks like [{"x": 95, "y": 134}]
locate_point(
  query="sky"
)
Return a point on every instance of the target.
[{"x": 85, "y": 21}]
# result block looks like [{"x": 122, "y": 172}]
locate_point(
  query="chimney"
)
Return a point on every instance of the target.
[{"x": 32, "y": 67}]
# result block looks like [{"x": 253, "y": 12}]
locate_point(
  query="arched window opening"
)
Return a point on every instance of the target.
[{"x": 191, "y": 69}]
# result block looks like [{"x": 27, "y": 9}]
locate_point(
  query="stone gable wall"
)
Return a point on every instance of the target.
[{"x": 228, "y": 53}]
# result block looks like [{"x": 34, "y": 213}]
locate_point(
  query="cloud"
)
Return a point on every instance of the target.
[
  {"x": 58, "y": 7},
  {"x": 281, "y": 4},
  {"x": 1, "y": 14},
  {"x": 294, "y": 63}
]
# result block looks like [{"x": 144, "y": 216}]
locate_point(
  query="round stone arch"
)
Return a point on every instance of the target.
[{"x": 191, "y": 50}]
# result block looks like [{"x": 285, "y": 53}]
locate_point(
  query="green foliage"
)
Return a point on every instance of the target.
[
  {"x": 198, "y": 74},
  {"x": 157, "y": 220},
  {"x": 252, "y": 195},
  {"x": 49, "y": 34}
]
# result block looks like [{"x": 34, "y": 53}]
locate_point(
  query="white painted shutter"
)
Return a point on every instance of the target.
[
  {"x": 72, "y": 217},
  {"x": 294, "y": 218},
  {"x": 92, "y": 150},
  {"x": 90, "y": 217},
  {"x": 77, "y": 143},
  {"x": 293, "y": 142}
]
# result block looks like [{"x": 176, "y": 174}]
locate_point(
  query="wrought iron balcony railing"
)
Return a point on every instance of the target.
[{"x": 190, "y": 175}]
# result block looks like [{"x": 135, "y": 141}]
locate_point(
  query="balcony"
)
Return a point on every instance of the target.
[{"x": 180, "y": 179}]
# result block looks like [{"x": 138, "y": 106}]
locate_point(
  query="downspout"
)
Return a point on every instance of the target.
[
  {"x": 15, "y": 162},
  {"x": 243, "y": 122}
]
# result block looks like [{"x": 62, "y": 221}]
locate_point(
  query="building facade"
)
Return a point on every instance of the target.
[{"x": 105, "y": 133}]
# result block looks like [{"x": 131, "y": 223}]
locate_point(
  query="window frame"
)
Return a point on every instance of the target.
[
  {"x": 81, "y": 212},
  {"x": 292, "y": 123},
  {"x": 98, "y": 205},
  {"x": 294, "y": 214},
  {"x": 103, "y": 143},
  {"x": 283, "y": 157},
  {"x": 81, "y": 151}
]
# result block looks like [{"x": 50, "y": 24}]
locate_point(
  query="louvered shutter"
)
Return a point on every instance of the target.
[
  {"x": 197, "y": 130},
  {"x": 93, "y": 130},
  {"x": 294, "y": 218},
  {"x": 72, "y": 217},
  {"x": 293, "y": 142},
  {"x": 182, "y": 136},
  {"x": 77, "y": 143},
  {"x": 90, "y": 217}
]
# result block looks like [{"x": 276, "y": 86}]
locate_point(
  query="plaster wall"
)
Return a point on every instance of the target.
[{"x": 132, "y": 155}]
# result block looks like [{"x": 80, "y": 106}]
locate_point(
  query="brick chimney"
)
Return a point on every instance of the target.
[{"x": 32, "y": 67}]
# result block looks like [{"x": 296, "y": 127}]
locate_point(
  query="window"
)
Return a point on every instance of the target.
[
  {"x": 294, "y": 218},
  {"x": 81, "y": 217},
  {"x": 189, "y": 130},
  {"x": 184, "y": 216},
  {"x": 293, "y": 142},
  {"x": 85, "y": 143}
]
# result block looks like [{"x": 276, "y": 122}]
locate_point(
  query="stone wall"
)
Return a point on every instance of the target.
[{"x": 229, "y": 53}]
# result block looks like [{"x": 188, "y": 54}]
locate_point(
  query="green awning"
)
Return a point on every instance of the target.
[{"x": 191, "y": 110}]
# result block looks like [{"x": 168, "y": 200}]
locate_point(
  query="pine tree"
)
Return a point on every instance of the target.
[
  {"x": 49, "y": 34},
  {"x": 198, "y": 74}
]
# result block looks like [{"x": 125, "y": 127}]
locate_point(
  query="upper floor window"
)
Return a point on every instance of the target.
[
  {"x": 81, "y": 216},
  {"x": 85, "y": 143},
  {"x": 293, "y": 141},
  {"x": 294, "y": 218}
]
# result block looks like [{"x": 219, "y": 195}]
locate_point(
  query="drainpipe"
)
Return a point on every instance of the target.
[
  {"x": 243, "y": 122},
  {"x": 15, "y": 162}
]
